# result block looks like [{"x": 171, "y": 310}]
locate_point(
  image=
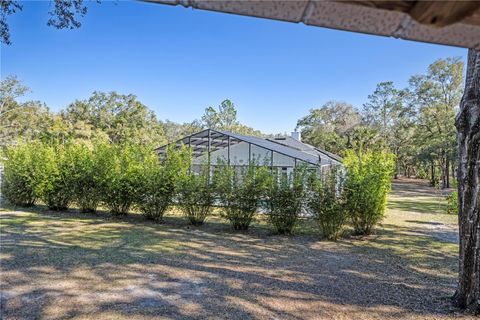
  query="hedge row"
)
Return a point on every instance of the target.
[{"x": 124, "y": 177}]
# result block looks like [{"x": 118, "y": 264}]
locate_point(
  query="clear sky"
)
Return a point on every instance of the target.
[{"x": 179, "y": 61}]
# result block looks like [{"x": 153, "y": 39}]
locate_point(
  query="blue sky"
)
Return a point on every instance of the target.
[{"x": 179, "y": 61}]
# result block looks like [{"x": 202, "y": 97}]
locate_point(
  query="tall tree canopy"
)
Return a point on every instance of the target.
[
  {"x": 20, "y": 120},
  {"x": 225, "y": 118},
  {"x": 384, "y": 109},
  {"x": 111, "y": 116},
  {"x": 64, "y": 15},
  {"x": 121, "y": 117},
  {"x": 435, "y": 97},
  {"x": 415, "y": 123},
  {"x": 387, "y": 112},
  {"x": 331, "y": 126},
  {"x": 174, "y": 131}
]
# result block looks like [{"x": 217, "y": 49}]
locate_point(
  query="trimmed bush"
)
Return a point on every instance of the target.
[
  {"x": 160, "y": 182},
  {"x": 327, "y": 205},
  {"x": 285, "y": 199},
  {"x": 239, "y": 191},
  {"x": 196, "y": 196},
  {"x": 19, "y": 174},
  {"x": 366, "y": 187},
  {"x": 120, "y": 167}
]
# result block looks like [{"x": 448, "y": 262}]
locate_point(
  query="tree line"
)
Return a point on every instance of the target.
[
  {"x": 118, "y": 118},
  {"x": 416, "y": 123}
]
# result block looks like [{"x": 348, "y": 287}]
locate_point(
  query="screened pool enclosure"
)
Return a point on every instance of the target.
[{"x": 282, "y": 154}]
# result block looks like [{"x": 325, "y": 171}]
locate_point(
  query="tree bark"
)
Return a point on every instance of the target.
[
  {"x": 468, "y": 177},
  {"x": 447, "y": 172},
  {"x": 443, "y": 162},
  {"x": 454, "y": 170},
  {"x": 433, "y": 174}
]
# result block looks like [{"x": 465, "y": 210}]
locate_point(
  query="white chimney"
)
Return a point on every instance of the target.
[{"x": 296, "y": 135}]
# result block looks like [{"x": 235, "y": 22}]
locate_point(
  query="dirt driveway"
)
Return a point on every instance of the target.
[{"x": 70, "y": 265}]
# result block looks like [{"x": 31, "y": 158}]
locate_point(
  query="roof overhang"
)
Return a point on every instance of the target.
[{"x": 455, "y": 23}]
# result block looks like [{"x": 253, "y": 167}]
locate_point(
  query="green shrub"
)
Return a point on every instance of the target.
[
  {"x": 81, "y": 158},
  {"x": 120, "y": 167},
  {"x": 452, "y": 203},
  {"x": 196, "y": 196},
  {"x": 160, "y": 181},
  {"x": 326, "y": 204},
  {"x": 366, "y": 187},
  {"x": 55, "y": 187},
  {"x": 19, "y": 174},
  {"x": 239, "y": 191},
  {"x": 285, "y": 198}
]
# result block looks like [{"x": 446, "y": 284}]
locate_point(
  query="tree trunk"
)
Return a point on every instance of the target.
[
  {"x": 397, "y": 163},
  {"x": 454, "y": 170},
  {"x": 433, "y": 174},
  {"x": 468, "y": 175},
  {"x": 447, "y": 172},
  {"x": 443, "y": 161}
]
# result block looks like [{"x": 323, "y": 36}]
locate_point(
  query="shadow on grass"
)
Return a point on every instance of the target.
[
  {"x": 431, "y": 223},
  {"x": 71, "y": 264}
]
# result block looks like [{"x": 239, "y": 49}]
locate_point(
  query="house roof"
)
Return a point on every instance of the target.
[
  {"x": 455, "y": 23},
  {"x": 305, "y": 147},
  {"x": 212, "y": 140}
]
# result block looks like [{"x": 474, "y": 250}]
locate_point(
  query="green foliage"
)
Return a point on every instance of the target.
[
  {"x": 19, "y": 174},
  {"x": 435, "y": 97},
  {"x": 327, "y": 204},
  {"x": 366, "y": 187},
  {"x": 20, "y": 121},
  {"x": 225, "y": 118},
  {"x": 53, "y": 165},
  {"x": 383, "y": 110},
  {"x": 285, "y": 198},
  {"x": 54, "y": 172},
  {"x": 121, "y": 170},
  {"x": 160, "y": 181},
  {"x": 122, "y": 118},
  {"x": 86, "y": 175},
  {"x": 331, "y": 126},
  {"x": 240, "y": 190},
  {"x": 452, "y": 203},
  {"x": 7, "y": 8},
  {"x": 196, "y": 196},
  {"x": 63, "y": 15}
]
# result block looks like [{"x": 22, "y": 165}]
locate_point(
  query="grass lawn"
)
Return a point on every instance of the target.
[{"x": 71, "y": 265}]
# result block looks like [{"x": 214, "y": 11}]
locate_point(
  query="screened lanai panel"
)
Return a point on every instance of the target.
[
  {"x": 202, "y": 142},
  {"x": 276, "y": 147},
  {"x": 280, "y": 160},
  {"x": 237, "y": 154},
  {"x": 261, "y": 156},
  {"x": 232, "y": 148}
]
